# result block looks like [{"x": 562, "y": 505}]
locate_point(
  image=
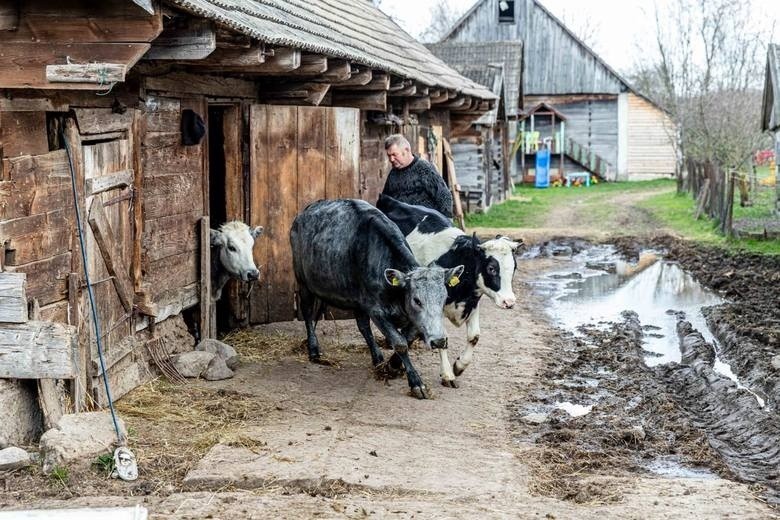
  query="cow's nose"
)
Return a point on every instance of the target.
[
  {"x": 439, "y": 343},
  {"x": 508, "y": 304},
  {"x": 254, "y": 274}
]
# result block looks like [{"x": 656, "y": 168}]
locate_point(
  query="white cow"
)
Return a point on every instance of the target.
[{"x": 231, "y": 255}]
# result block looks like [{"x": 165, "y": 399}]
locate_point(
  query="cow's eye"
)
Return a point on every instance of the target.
[
  {"x": 491, "y": 270},
  {"x": 417, "y": 302},
  {"x": 232, "y": 249}
]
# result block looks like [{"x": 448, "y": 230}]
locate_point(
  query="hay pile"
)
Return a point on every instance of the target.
[{"x": 172, "y": 426}]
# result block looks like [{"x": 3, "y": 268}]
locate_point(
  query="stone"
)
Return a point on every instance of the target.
[
  {"x": 193, "y": 363},
  {"x": 14, "y": 458},
  {"x": 217, "y": 370},
  {"x": 776, "y": 362},
  {"x": 21, "y": 417},
  {"x": 535, "y": 418},
  {"x": 78, "y": 438},
  {"x": 221, "y": 349}
]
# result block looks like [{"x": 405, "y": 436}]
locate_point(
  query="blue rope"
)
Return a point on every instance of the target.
[{"x": 89, "y": 290}]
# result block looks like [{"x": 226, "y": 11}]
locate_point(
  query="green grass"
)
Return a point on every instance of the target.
[
  {"x": 676, "y": 212},
  {"x": 533, "y": 205}
]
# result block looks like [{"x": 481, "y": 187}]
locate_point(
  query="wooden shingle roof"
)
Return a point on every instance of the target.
[
  {"x": 472, "y": 59},
  {"x": 349, "y": 29}
]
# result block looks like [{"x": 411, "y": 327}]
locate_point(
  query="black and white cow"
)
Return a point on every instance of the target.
[
  {"x": 349, "y": 255},
  {"x": 489, "y": 268},
  {"x": 231, "y": 255}
]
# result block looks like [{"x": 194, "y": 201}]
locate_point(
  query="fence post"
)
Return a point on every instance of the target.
[{"x": 728, "y": 209}]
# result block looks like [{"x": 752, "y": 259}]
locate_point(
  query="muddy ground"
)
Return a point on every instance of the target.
[{"x": 288, "y": 439}]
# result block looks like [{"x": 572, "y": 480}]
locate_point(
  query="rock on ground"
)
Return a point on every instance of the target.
[
  {"x": 78, "y": 438},
  {"x": 221, "y": 349},
  {"x": 14, "y": 458},
  {"x": 217, "y": 370},
  {"x": 194, "y": 363}
]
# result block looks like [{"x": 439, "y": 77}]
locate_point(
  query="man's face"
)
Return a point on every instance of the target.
[{"x": 399, "y": 157}]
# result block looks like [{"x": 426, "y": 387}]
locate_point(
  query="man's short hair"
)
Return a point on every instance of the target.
[{"x": 397, "y": 140}]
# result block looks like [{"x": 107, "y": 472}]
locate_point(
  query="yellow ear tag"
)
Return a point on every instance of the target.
[
  {"x": 453, "y": 281},
  {"x": 396, "y": 283}
]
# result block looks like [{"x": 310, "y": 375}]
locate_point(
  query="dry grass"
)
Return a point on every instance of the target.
[
  {"x": 569, "y": 473},
  {"x": 338, "y": 344},
  {"x": 173, "y": 426}
]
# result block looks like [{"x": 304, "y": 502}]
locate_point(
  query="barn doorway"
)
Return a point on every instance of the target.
[{"x": 226, "y": 199}]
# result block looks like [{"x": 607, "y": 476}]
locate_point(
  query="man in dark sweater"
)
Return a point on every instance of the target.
[{"x": 414, "y": 180}]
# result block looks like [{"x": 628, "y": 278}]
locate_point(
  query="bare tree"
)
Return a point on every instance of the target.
[
  {"x": 706, "y": 69},
  {"x": 443, "y": 17},
  {"x": 583, "y": 26}
]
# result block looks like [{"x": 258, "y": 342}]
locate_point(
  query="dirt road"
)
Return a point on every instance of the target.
[{"x": 311, "y": 441}]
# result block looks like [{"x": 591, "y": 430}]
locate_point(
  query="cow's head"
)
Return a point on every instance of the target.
[
  {"x": 234, "y": 242},
  {"x": 502, "y": 250},
  {"x": 425, "y": 291}
]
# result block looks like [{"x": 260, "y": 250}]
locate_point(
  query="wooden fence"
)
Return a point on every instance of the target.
[{"x": 712, "y": 186}]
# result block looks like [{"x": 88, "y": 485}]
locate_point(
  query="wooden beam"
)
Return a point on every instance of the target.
[
  {"x": 232, "y": 58},
  {"x": 457, "y": 103},
  {"x": 102, "y": 74},
  {"x": 281, "y": 60},
  {"x": 104, "y": 236},
  {"x": 422, "y": 90},
  {"x": 188, "y": 39},
  {"x": 405, "y": 92},
  {"x": 312, "y": 64},
  {"x": 440, "y": 96},
  {"x": 13, "y": 298},
  {"x": 37, "y": 350},
  {"x": 399, "y": 84},
  {"x": 338, "y": 70},
  {"x": 183, "y": 82},
  {"x": 379, "y": 81},
  {"x": 310, "y": 93},
  {"x": 419, "y": 104},
  {"x": 358, "y": 76},
  {"x": 362, "y": 100},
  {"x": 23, "y": 65},
  {"x": 112, "y": 181},
  {"x": 229, "y": 39}
]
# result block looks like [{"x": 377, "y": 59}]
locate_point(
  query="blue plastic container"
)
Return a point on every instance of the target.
[{"x": 543, "y": 168}]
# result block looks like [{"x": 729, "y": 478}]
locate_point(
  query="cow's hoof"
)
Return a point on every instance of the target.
[
  {"x": 457, "y": 369},
  {"x": 421, "y": 392},
  {"x": 474, "y": 340},
  {"x": 449, "y": 383}
]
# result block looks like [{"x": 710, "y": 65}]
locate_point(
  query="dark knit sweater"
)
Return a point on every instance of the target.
[{"x": 419, "y": 184}]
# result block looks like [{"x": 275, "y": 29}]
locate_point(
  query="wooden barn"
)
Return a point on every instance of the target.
[
  {"x": 481, "y": 155},
  {"x": 103, "y": 107},
  {"x": 770, "y": 112},
  {"x": 617, "y": 132}
]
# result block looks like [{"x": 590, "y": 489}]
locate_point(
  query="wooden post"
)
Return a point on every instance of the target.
[
  {"x": 454, "y": 188},
  {"x": 78, "y": 390},
  {"x": 205, "y": 278}
]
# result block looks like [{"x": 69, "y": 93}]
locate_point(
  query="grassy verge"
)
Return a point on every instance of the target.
[
  {"x": 530, "y": 206},
  {"x": 676, "y": 212}
]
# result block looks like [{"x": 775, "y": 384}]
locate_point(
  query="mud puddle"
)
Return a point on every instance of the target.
[
  {"x": 595, "y": 285},
  {"x": 636, "y": 353}
]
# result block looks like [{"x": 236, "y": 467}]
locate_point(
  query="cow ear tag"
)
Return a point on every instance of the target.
[
  {"x": 396, "y": 283},
  {"x": 453, "y": 281}
]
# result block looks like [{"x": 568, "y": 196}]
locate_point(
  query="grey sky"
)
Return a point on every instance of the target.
[{"x": 624, "y": 27}]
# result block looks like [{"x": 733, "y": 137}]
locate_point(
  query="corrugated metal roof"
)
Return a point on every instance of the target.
[
  {"x": 350, "y": 29},
  {"x": 770, "y": 119},
  {"x": 473, "y": 60}
]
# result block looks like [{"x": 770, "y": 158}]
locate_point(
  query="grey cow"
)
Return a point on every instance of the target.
[{"x": 349, "y": 255}]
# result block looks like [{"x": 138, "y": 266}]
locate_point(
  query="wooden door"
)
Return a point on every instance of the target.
[
  {"x": 297, "y": 155},
  {"x": 106, "y": 155}
]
